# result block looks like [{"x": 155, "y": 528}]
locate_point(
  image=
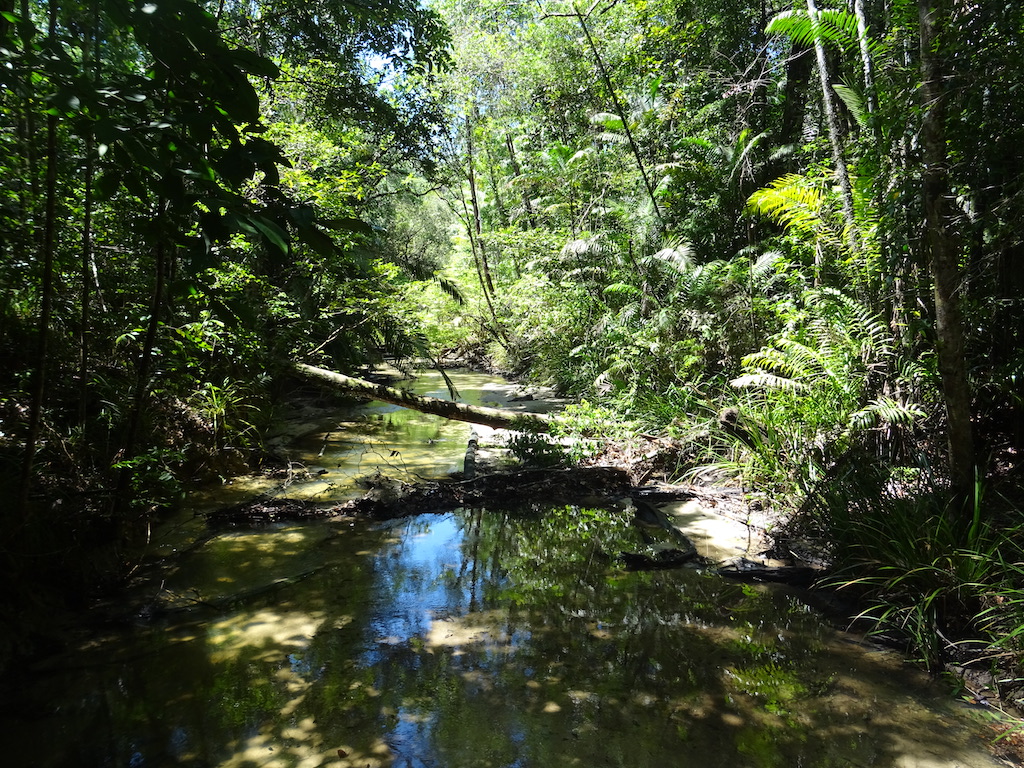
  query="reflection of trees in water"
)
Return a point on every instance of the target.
[
  {"x": 568, "y": 660},
  {"x": 486, "y": 639}
]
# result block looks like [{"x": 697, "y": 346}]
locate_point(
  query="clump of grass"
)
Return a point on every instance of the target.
[{"x": 945, "y": 576}]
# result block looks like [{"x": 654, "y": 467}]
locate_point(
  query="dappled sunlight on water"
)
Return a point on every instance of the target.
[
  {"x": 474, "y": 639},
  {"x": 491, "y": 639}
]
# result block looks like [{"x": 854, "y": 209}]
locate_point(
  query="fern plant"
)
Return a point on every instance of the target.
[
  {"x": 815, "y": 387},
  {"x": 810, "y": 211}
]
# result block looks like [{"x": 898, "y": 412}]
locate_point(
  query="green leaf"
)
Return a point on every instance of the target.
[
  {"x": 621, "y": 289},
  {"x": 277, "y": 236},
  {"x": 254, "y": 64},
  {"x": 107, "y": 184},
  {"x": 318, "y": 240},
  {"x": 854, "y": 102},
  {"x": 349, "y": 224}
]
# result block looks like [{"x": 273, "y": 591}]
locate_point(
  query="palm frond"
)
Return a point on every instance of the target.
[
  {"x": 837, "y": 28},
  {"x": 607, "y": 120},
  {"x": 451, "y": 289},
  {"x": 854, "y": 102},
  {"x": 621, "y": 289},
  {"x": 677, "y": 255}
]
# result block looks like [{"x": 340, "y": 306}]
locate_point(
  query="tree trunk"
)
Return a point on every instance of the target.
[
  {"x": 619, "y": 110},
  {"x": 835, "y": 136},
  {"x": 91, "y": 50},
  {"x": 794, "y": 104},
  {"x": 498, "y": 418},
  {"x": 478, "y": 224},
  {"x": 49, "y": 247},
  {"x": 530, "y": 221},
  {"x": 865, "y": 56},
  {"x": 942, "y": 250},
  {"x": 43, "y": 326}
]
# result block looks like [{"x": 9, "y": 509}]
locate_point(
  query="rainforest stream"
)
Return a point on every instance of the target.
[{"x": 469, "y": 639}]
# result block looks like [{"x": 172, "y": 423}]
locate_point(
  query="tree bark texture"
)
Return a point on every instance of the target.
[
  {"x": 942, "y": 249},
  {"x": 865, "y": 56},
  {"x": 498, "y": 418}
]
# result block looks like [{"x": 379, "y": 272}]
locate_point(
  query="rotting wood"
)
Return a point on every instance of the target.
[{"x": 498, "y": 418}]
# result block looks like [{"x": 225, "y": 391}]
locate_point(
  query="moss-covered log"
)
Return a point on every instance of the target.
[{"x": 498, "y": 418}]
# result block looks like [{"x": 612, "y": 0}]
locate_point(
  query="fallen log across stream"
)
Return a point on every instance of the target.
[
  {"x": 387, "y": 498},
  {"x": 497, "y": 418}
]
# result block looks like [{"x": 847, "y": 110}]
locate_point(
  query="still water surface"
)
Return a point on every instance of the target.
[{"x": 470, "y": 639}]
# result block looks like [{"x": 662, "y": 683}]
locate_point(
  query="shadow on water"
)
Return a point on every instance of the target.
[
  {"x": 486, "y": 639},
  {"x": 473, "y": 639}
]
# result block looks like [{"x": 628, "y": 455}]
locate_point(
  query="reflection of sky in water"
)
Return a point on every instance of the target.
[
  {"x": 461, "y": 641},
  {"x": 412, "y": 576},
  {"x": 423, "y": 576}
]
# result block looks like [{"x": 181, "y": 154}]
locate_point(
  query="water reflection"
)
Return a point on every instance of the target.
[
  {"x": 471, "y": 640},
  {"x": 378, "y": 437},
  {"x": 486, "y": 639}
]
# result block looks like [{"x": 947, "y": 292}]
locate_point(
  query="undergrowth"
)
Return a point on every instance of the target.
[{"x": 943, "y": 575}]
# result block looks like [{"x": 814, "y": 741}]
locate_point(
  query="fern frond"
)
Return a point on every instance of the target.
[
  {"x": 885, "y": 411},
  {"x": 794, "y": 202},
  {"x": 767, "y": 381},
  {"x": 801, "y": 357},
  {"x": 858, "y": 320},
  {"x": 789, "y": 358}
]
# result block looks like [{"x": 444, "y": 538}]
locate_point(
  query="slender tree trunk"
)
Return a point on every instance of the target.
[
  {"x": 865, "y": 56},
  {"x": 942, "y": 249},
  {"x": 478, "y": 225},
  {"x": 619, "y": 110},
  {"x": 49, "y": 246},
  {"x": 30, "y": 116},
  {"x": 499, "y": 418},
  {"x": 43, "y": 326},
  {"x": 530, "y": 222},
  {"x": 93, "y": 50},
  {"x": 495, "y": 190},
  {"x": 835, "y": 135},
  {"x": 140, "y": 394},
  {"x": 468, "y": 221},
  {"x": 798, "y": 75}
]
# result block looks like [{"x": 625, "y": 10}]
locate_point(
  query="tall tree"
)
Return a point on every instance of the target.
[{"x": 942, "y": 247}]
